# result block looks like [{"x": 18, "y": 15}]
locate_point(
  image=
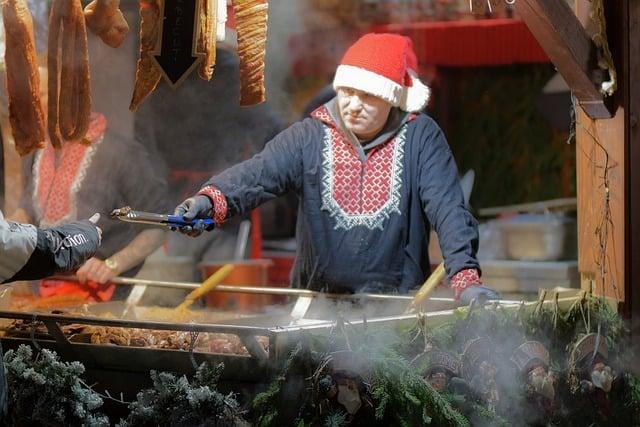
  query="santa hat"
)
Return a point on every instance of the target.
[{"x": 384, "y": 65}]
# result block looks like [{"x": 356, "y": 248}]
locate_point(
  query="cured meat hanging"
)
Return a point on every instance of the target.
[
  {"x": 105, "y": 20},
  {"x": 148, "y": 74},
  {"x": 23, "y": 82},
  {"x": 251, "y": 25},
  {"x": 251, "y": 20},
  {"x": 69, "y": 99},
  {"x": 207, "y": 38}
]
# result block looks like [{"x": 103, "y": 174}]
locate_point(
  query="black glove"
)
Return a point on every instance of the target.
[
  {"x": 479, "y": 293},
  {"x": 195, "y": 207},
  {"x": 61, "y": 249}
]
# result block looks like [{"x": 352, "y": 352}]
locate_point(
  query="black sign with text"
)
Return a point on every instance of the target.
[{"x": 178, "y": 31}]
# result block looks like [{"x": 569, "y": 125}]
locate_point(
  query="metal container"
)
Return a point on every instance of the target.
[
  {"x": 253, "y": 272},
  {"x": 268, "y": 338},
  {"x": 531, "y": 237}
]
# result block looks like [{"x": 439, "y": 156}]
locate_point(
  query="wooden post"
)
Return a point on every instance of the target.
[
  {"x": 601, "y": 206},
  {"x": 608, "y": 177}
]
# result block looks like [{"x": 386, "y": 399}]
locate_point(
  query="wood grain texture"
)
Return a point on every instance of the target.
[
  {"x": 569, "y": 47},
  {"x": 603, "y": 261}
]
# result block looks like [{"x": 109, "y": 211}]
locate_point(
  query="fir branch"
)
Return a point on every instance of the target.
[
  {"x": 177, "y": 401},
  {"x": 45, "y": 391},
  {"x": 402, "y": 397}
]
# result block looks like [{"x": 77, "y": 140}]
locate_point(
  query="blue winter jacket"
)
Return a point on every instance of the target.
[{"x": 364, "y": 212}]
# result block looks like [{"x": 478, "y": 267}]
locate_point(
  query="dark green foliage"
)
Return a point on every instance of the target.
[
  {"x": 274, "y": 407},
  {"x": 558, "y": 330},
  {"x": 336, "y": 419},
  {"x": 399, "y": 395},
  {"x": 403, "y": 398},
  {"x": 177, "y": 401},
  {"x": 45, "y": 391},
  {"x": 491, "y": 121},
  {"x": 478, "y": 415}
]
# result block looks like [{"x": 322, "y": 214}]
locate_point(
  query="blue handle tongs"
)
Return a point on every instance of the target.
[{"x": 170, "y": 221}]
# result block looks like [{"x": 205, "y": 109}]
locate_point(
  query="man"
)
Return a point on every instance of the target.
[
  {"x": 372, "y": 176},
  {"x": 72, "y": 182},
  {"x": 29, "y": 253}
]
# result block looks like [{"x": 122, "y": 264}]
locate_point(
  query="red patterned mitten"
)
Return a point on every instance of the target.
[
  {"x": 219, "y": 203},
  {"x": 464, "y": 279}
]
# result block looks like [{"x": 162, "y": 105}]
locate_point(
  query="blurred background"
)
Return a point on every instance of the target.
[{"x": 504, "y": 109}]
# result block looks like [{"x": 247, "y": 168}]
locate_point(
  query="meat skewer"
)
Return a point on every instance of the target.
[
  {"x": 207, "y": 38},
  {"x": 105, "y": 20},
  {"x": 148, "y": 74},
  {"x": 23, "y": 81},
  {"x": 251, "y": 25}
]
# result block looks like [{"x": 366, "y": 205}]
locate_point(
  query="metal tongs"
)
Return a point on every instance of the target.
[{"x": 170, "y": 221}]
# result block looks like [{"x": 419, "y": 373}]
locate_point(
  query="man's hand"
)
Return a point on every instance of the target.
[
  {"x": 479, "y": 293},
  {"x": 195, "y": 207},
  {"x": 96, "y": 270}
]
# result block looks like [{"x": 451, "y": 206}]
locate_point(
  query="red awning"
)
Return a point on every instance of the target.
[{"x": 471, "y": 43}]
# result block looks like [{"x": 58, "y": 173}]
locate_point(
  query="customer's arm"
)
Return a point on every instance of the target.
[
  {"x": 134, "y": 253},
  {"x": 30, "y": 253}
]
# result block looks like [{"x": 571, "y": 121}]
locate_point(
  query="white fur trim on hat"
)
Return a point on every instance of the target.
[
  {"x": 370, "y": 82},
  {"x": 416, "y": 96},
  {"x": 408, "y": 98}
]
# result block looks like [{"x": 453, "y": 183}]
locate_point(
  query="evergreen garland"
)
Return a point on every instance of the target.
[
  {"x": 558, "y": 330},
  {"x": 403, "y": 398},
  {"x": 400, "y": 395},
  {"x": 45, "y": 391},
  {"x": 176, "y": 401}
]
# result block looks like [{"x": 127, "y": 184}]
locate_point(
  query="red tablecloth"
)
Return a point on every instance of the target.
[{"x": 471, "y": 43}]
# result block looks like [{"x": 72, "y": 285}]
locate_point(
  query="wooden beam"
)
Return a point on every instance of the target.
[{"x": 565, "y": 41}]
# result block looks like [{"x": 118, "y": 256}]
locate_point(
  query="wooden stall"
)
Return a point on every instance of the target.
[{"x": 607, "y": 135}]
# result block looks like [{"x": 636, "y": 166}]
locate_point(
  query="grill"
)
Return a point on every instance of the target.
[{"x": 268, "y": 337}]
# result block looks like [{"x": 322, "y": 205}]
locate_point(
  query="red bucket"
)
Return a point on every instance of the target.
[{"x": 244, "y": 273}]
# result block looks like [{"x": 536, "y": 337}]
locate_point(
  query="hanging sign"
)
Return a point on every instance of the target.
[{"x": 176, "y": 52}]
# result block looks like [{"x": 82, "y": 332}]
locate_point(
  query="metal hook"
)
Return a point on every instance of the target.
[
  {"x": 32, "y": 334},
  {"x": 193, "y": 335}
]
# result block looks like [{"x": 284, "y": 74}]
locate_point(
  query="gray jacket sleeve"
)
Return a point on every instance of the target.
[
  {"x": 17, "y": 243},
  {"x": 30, "y": 253}
]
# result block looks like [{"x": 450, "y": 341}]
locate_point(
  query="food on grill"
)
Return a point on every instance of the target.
[
  {"x": 69, "y": 99},
  {"x": 23, "y": 82},
  {"x": 105, "y": 20},
  {"x": 207, "y": 342},
  {"x": 110, "y": 335},
  {"x": 251, "y": 25},
  {"x": 207, "y": 38},
  {"x": 148, "y": 74}
]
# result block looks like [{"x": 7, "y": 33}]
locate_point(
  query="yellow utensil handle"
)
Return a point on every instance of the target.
[
  {"x": 208, "y": 285},
  {"x": 429, "y": 285}
]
